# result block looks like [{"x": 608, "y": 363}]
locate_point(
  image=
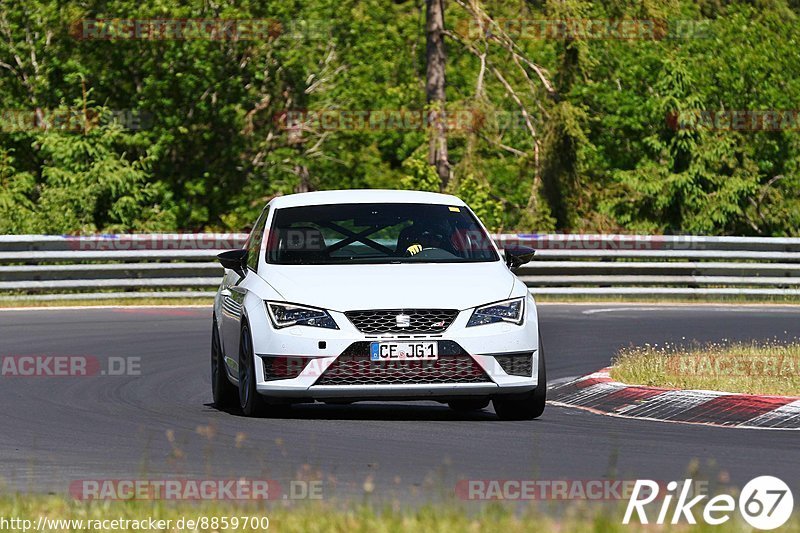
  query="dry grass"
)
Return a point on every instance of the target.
[
  {"x": 770, "y": 368},
  {"x": 667, "y": 299},
  {"x": 101, "y": 302},
  {"x": 5, "y": 301},
  {"x": 345, "y": 518}
]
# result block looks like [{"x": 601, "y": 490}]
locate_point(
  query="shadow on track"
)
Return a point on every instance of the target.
[{"x": 371, "y": 411}]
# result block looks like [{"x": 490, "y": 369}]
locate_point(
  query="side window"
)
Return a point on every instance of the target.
[{"x": 255, "y": 239}]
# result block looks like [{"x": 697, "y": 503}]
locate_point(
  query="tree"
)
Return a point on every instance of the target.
[{"x": 435, "y": 88}]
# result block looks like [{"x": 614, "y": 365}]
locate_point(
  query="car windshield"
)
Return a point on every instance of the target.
[{"x": 377, "y": 233}]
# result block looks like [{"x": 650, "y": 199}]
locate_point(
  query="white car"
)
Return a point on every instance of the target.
[{"x": 342, "y": 296}]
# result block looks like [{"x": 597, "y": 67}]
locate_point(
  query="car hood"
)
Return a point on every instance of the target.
[{"x": 405, "y": 286}]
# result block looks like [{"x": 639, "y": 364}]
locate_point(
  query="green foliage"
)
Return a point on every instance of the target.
[
  {"x": 478, "y": 195},
  {"x": 215, "y": 147},
  {"x": 88, "y": 185},
  {"x": 419, "y": 175},
  {"x": 15, "y": 190}
]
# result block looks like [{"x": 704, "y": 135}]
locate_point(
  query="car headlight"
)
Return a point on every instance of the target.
[
  {"x": 510, "y": 311},
  {"x": 284, "y": 315}
]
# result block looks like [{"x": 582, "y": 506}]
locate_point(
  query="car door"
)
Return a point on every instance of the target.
[{"x": 233, "y": 293}]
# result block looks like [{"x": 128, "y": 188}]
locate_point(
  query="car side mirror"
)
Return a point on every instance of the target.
[
  {"x": 516, "y": 256},
  {"x": 235, "y": 260}
]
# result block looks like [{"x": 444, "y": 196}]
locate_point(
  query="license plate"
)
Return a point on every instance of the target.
[{"x": 403, "y": 351}]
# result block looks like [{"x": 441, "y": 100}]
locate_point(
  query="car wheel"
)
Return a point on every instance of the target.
[
  {"x": 468, "y": 405},
  {"x": 250, "y": 400},
  {"x": 532, "y": 404},
  {"x": 223, "y": 390}
]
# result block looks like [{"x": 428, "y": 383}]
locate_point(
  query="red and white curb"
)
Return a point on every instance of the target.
[{"x": 600, "y": 394}]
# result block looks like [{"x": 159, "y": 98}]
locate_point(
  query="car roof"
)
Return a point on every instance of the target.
[{"x": 364, "y": 196}]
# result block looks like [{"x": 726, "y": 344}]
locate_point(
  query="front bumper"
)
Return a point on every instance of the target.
[{"x": 318, "y": 349}]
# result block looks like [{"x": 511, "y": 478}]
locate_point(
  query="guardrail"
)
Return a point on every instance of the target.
[{"x": 52, "y": 267}]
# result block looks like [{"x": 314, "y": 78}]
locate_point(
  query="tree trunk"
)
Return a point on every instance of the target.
[
  {"x": 560, "y": 170},
  {"x": 434, "y": 88}
]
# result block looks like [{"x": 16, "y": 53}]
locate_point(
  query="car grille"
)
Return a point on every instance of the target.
[
  {"x": 516, "y": 364},
  {"x": 385, "y": 321},
  {"x": 281, "y": 367},
  {"x": 353, "y": 367}
]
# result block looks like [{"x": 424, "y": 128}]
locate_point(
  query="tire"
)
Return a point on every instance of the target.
[
  {"x": 532, "y": 404},
  {"x": 224, "y": 392},
  {"x": 250, "y": 400},
  {"x": 468, "y": 405}
]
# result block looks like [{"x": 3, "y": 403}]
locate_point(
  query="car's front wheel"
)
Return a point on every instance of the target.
[
  {"x": 222, "y": 389},
  {"x": 250, "y": 400},
  {"x": 529, "y": 406}
]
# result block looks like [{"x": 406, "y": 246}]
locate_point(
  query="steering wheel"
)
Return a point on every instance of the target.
[{"x": 412, "y": 250}]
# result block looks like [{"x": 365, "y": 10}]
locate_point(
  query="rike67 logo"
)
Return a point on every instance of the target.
[{"x": 765, "y": 503}]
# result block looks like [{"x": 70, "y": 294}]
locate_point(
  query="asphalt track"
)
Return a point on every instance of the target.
[{"x": 59, "y": 429}]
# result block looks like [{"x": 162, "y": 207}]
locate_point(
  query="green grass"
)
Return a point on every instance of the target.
[
  {"x": 770, "y": 368},
  {"x": 666, "y": 299},
  {"x": 547, "y": 299},
  {"x": 345, "y": 518}
]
